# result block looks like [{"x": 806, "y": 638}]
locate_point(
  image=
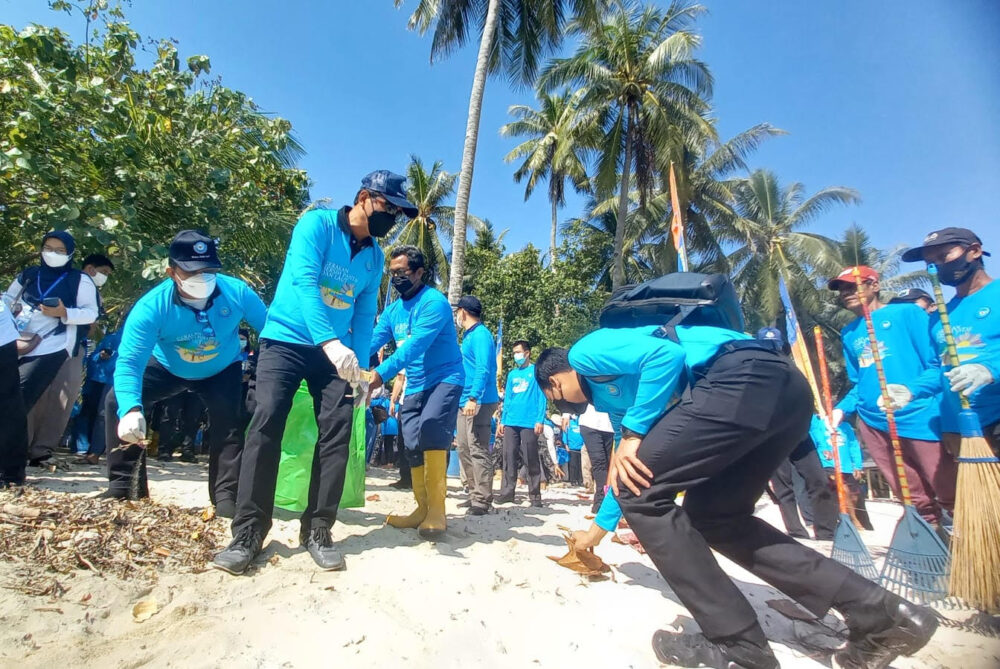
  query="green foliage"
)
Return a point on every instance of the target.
[
  {"x": 545, "y": 308},
  {"x": 124, "y": 157}
]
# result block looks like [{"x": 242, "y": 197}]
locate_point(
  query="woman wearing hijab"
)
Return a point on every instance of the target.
[{"x": 49, "y": 301}]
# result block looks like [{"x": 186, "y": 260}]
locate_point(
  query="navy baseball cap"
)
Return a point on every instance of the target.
[
  {"x": 911, "y": 295},
  {"x": 390, "y": 186},
  {"x": 942, "y": 237},
  {"x": 770, "y": 334},
  {"x": 193, "y": 251},
  {"x": 471, "y": 304}
]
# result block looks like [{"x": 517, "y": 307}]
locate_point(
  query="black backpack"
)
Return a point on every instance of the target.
[{"x": 670, "y": 300}]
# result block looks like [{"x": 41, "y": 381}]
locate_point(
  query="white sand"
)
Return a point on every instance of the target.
[{"x": 484, "y": 597}]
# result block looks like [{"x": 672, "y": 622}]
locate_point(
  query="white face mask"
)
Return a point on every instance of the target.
[
  {"x": 243, "y": 344},
  {"x": 100, "y": 279},
  {"x": 53, "y": 259},
  {"x": 199, "y": 286}
]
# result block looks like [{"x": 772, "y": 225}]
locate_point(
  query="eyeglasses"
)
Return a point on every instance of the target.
[
  {"x": 207, "y": 328},
  {"x": 390, "y": 208},
  {"x": 399, "y": 273}
]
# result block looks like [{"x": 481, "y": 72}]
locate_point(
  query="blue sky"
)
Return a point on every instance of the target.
[{"x": 897, "y": 98}]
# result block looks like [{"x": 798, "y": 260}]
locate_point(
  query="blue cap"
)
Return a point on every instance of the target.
[
  {"x": 770, "y": 334},
  {"x": 390, "y": 186}
]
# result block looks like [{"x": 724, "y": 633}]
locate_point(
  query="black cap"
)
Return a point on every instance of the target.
[
  {"x": 942, "y": 237},
  {"x": 193, "y": 252},
  {"x": 471, "y": 304},
  {"x": 390, "y": 186},
  {"x": 911, "y": 295}
]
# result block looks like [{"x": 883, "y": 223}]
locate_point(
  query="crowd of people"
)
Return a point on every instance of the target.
[{"x": 645, "y": 412}]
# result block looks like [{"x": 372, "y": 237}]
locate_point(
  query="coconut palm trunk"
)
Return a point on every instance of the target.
[
  {"x": 618, "y": 271},
  {"x": 552, "y": 235},
  {"x": 469, "y": 154}
]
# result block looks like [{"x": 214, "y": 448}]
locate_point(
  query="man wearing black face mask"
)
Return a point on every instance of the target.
[
  {"x": 422, "y": 325},
  {"x": 318, "y": 327},
  {"x": 974, "y": 313}
]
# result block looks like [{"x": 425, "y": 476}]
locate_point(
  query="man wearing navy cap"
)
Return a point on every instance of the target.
[
  {"x": 916, "y": 296},
  {"x": 974, "y": 313},
  {"x": 318, "y": 327},
  {"x": 182, "y": 335}
]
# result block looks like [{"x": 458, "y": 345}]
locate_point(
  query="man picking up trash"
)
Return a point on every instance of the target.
[
  {"x": 734, "y": 411},
  {"x": 189, "y": 326},
  {"x": 318, "y": 328}
]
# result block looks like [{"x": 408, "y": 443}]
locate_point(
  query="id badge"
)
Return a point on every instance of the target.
[{"x": 23, "y": 318}]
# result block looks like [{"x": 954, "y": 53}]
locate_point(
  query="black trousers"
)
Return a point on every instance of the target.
[
  {"x": 575, "y": 473},
  {"x": 13, "y": 418},
  {"x": 281, "y": 368},
  {"x": 91, "y": 421},
  {"x": 520, "y": 446},
  {"x": 37, "y": 373},
  {"x": 598, "y": 445},
  {"x": 822, "y": 498},
  {"x": 427, "y": 420},
  {"x": 179, "y": 423},
  {"x": 221, "y": 395},
  {"x": 721, "y": 444}
]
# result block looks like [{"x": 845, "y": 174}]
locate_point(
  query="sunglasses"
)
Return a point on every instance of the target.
[
  {"x": 390, "y": 208},
  {"x": 207, "y": 328}
]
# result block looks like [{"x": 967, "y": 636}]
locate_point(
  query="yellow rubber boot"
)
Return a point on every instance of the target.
[
  {"x": 420, "y": 494},
  {"x": 436, "y": 478}
]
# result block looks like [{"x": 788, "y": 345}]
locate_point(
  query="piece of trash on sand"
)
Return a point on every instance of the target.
[
  {"x": 145, "y": 609},
  {"x": 373, "y": 498},
  {"x": 584, "y": 562}
]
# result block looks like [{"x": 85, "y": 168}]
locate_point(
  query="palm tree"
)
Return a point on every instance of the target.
[
  {"x": 559, "y": 133},
  {"x": 428, "y": 189},
  {"x": 513, "y": 36},
  {"x": 639, "y": 73},
  {"x": 767, "y": 230}
]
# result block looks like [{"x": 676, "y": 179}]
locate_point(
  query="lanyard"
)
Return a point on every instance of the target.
[{"x": 38, "y": 283}]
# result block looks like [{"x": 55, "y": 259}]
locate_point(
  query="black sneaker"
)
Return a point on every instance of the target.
[
  {"x": 465, "y": 505},
  {"x": 189, "y": 456},
  {"x": 503, "y": 499},
  {"x": 401, "y": 484},
  {"x": 322, "y": 549},
  {"x": 477, "y": 511},
  {"x": 238, "y": 555},
  {"x": 905, "y": 628},
  {"x": 536, "y": 501},
  {"x": 694, "y": 650}
]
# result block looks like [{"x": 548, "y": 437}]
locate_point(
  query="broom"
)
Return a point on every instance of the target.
[
  {"x": 848, "y": 548},
  {"x": 916, "y": 564},
  {"x": 975, "y": 572}
]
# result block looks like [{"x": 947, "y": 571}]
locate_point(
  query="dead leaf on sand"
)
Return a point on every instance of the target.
[
  {"x": 584, "y": 562},
  {"x": 373, "y": 498}
]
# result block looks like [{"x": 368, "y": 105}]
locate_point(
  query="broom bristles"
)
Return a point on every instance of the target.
[{"x": 975, "y": 544}]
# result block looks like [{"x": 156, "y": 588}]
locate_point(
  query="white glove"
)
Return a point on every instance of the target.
[
  {"x": 344, "y": 360},
  {"x": 969, "y": 378},
  {"x": 834, "y": 420},
  {"x": 132, "y": 427},
  {"x": 899, "y": 396}
]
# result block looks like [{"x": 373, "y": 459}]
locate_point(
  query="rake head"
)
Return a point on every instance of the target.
[
  {"x": 849, "y": 550},
  {"x": 917, "y": 564}
]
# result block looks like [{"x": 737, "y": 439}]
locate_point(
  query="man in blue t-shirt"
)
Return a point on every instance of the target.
[
  {"x": 913, "y": 382},
  {"x": 479, "y": 401},
  {"x": 522, "y": 422},
  {"x": 974, "y": 314},
  {"x": 711, "y": 412},
  {"x": 318, "y": 328},
  {"x": 422, "y": 325},
  {"x": 181, "y": 336}
]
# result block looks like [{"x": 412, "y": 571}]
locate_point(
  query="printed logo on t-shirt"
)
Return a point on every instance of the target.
[
  {"x": 886, "y": 325},
  {"x": 336, "y": 286},
  {"x": 968, "y": 343},
  {"x": 520, "y": 384},
  {"x": 865, "y": 357},
  {"x": 613, "y": 390},
  {"x": 197, "y": 348},
  {"x": 983, "y": 313}
]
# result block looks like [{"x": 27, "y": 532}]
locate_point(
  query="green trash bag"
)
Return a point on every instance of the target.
[{"x": 297, "y": 447}]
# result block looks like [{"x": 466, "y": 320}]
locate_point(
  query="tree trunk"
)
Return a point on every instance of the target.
[
  {"x": 469, "y": 154},
  {"x": 552, "y": 235},
  {"x": 618, "y": 268}
]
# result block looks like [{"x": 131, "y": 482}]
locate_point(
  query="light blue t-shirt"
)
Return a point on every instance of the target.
[
  {"x": 523, "y": 400},
  {"x": 189, "y": 343},
  {"x": 909, "y": 359},
  {"x": 975, "y": 324},
  {"x": 479, "y": 356}
]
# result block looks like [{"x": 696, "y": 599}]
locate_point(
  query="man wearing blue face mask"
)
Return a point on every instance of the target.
[
  {"x": 521, "y": 424},
  {"x": 183, "y": 335}
]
